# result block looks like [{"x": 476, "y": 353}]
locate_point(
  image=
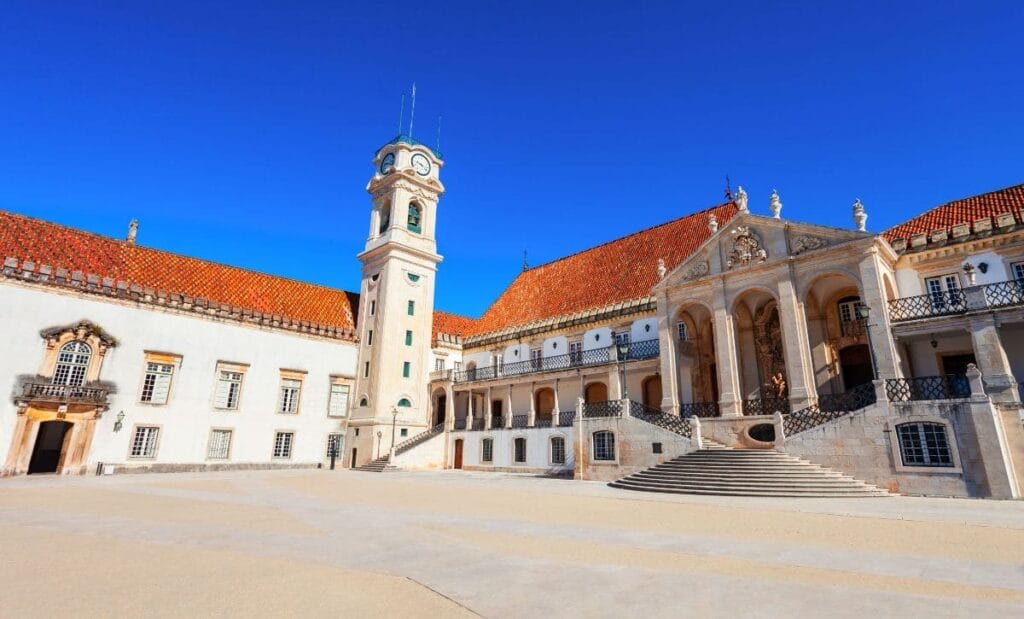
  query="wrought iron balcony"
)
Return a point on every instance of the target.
[
  {"x": 952, "y": 302},
  {"x": 611, "y": 408},
  {"x": 948, "y": 387},
  {"x": 566, "y": 418},
  {"x": 699, "y": 409},
  {"x": 37, "y": 391},
  {"x": 765, "y": 406},
  {"x": 638, "y": 351}
]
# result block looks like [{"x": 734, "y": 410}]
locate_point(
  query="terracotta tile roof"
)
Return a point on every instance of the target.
[
  {"x": 621, "y": 270},
  {"x": 963, "y": 211},
  {"x": 58, "y": 246},
  {"x": 451, "y": 324}
]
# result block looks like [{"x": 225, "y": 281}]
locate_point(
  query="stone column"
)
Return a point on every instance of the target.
[
  {"x": 469, "y": 412},
  {"x": 488, "y": 411},
  {"x": 508, "y": 411},
  {"x": 882, "y": 342},
  {"x": 725, "y": 360},
  {"x": 797, "y": 347},
  {"x": 667, "y": 353},
  {"x": 556, "y": 414},
  {"x": 449, "y": 407},
  {"x": 532, "y": 416},
  {"x": 1000, "y": 384},
  {"x": 614, "y": 383}
]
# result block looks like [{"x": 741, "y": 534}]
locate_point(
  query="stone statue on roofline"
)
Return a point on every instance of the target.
[{"x": 860, "y": 216}]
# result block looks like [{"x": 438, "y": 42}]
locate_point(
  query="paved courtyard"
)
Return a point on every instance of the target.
[{"x": 321, "y": 543}]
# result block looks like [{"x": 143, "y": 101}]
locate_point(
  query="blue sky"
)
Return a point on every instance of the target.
[{"x": 243, "y": 132}]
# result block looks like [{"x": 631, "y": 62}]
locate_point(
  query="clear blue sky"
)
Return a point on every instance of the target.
[{"x": 242, "y": 132}]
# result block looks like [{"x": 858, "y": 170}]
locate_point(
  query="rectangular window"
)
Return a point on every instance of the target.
[
  {"x": 333, "y": 445},
  {"x": 924, "y": 444},
  {"x": 557, "y": 450},
  {"x": 337, "y": 405},
  {"x": 369, "y": 337},
  {"x": 404, "y": 432},
  {"x": 366, "y": 369},
  {"x": 536, "y": 358},
  {"x": 438, "y": 364},
  {"x": 944, "y": 292},
  {"x": 519, "y": 450},
  {"x": 576, "y": 353},
  {"x": 604, "y": 445},
  {"x": 622, "y": 337},
  {"x": 229, "y": 388},
  {"x": 1017, "y": 268},
  {"x": 406, "y": 369},
  {"x": 220, "y": 445},
  {"x": 458, "y": 366},
  {"x": 144, "y": 442},
  {"x": 656, "y": 448},
  {"x": 283, "y": 444},
  {"x": 412, "y": 308},
  {"x": 681, "y": 331},
  {"x": 373, "y": 307},
  {"x": 288, "y": 398},
  {"x": 408, "y": 338},
  {"x": 487, "y": 450},
  {"x": 156, "y": 385}
]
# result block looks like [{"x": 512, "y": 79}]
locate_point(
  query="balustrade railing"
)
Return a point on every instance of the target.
[
  {"x": 645, "y": 349},
  {"x": 520, "y": 421},
  {"x": 948, "y": 387},
  {"x": 542, "y": 422},
  {"x": 64, "y": 393},
  {"x": 566, "y": 418},
  {"x": 611, "y": 408},
  {"x": 460, "y": 424},
  {"x": 672, "y": 423},
  {"x": 828, "y": 408},
  {"x": 765, "y": 406},
  {"x": 699, "y": 409},
  {"x": 478, "y": 425},
  {"x": 959, "y": 301}
]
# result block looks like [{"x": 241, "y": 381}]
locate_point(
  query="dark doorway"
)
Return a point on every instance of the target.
[
  {"x": 957, "y": 364},
  {"x": 458, "y": 453},
  {"x": 496, "y": 419},
  {"x": 855, "y": 364},
  {"x": 652, "y": 392},
  {"x": 713, "y": 368},
  {"x": 49, "y": 444},
  {"x": 353, "y": 463},
  {"x": 442, "y": 408}
]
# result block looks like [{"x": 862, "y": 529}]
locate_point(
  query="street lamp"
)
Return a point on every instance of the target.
[
  {"x": 864, "y": 313},
  {"x": 379, "y": 435},
  {"x": 622, "y": 347}
]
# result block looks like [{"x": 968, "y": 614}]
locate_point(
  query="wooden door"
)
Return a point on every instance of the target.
[{"x": 458, "y": 453}]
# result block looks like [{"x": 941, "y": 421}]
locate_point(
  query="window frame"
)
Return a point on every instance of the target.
[
  {"x": 487, "y": 450},
  {"x": 74, "y": 365},
  {"x": 291, "y": 445},
  {"x": 156, "y": 430},
  {"x": 153, "y": 360},
  {"x": 516, "y": 442},
  {"x": 594, "y": 448},
  {"x": 551, "y": 450},
  {"x": 230, "y": 445},
  {"x": 896, "y": 447},
  {"x": 330, "y": 398},
  {"x": 294, "y": 403},
  {"x": 229, "y": 368},
  {"x": 340, "y": 436}
]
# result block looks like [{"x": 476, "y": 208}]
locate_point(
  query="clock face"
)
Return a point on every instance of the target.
[
  {"x": 421, "y": 164},
  {"x": 387, "y": 163}
]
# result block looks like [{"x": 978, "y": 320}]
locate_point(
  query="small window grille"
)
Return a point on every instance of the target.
[
  {"x": 288, "y": 401},
  {"x": 924, "y": 444},
  {"x": 333, "y": 445},
  {"x": 557, "y": 450},
  {"x": 144, "y": 442},
  {"x": 156, "y": 385},
  {"x": 519, "y": 449},
  {"x": 283, "y": 444},
  {"x": 487, "y": 450},
  {"x": 604, "y": 445},
  {"x": 220, "y": 445}
]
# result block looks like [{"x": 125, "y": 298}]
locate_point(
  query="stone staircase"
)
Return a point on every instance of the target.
[
  {"x": 380, "y": 465},
  {"x": 719, "y": 470}
]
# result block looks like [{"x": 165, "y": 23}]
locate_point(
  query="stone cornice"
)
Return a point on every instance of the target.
[
  {"x": 981, "y": 228},
  {"x": 108, "y": 287}
]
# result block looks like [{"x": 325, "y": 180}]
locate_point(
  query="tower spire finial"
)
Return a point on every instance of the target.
[
  {"x": 526, "y": 265},
  {"x": 401, "y": 114},
  {"x": 412, "y": 113},
  {"x": 438, "y": 147}
]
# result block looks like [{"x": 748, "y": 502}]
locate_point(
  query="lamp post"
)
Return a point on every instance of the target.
[
  {"x": 864, "y": 313},
  {"x": 394, "y": 420},
  {"x": 379, "y": 435},
  {"x": 622, "y": 347}
]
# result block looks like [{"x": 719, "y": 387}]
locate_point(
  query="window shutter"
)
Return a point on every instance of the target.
[
  {"x": 339, "y": 401},
  {"x": 161, "y": 388},
  {"x": 223, "y": 390}
]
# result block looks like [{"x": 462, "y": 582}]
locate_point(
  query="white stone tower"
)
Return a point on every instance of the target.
[{"x": 396, "y": 305}]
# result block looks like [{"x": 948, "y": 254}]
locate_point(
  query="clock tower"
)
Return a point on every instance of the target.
[{"x": 396, "y": 304}]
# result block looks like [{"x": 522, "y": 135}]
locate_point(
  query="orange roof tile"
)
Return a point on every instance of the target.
[
  {"x": 451, "y": 324},
  {"x": 962, "y": 211},
  {"x": 58, "y": 246},
  {"x": 622, "y": 270}
]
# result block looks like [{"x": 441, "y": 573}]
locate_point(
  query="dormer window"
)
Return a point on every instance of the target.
[
  {"x": 415, "y": 217},
  {"x": 72, "y": 363}
]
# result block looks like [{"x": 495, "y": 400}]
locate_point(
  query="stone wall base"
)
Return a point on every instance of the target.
[{"x": 130, "y": 469}]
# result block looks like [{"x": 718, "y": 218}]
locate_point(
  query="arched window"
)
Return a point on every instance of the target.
[
  {"x": 487, "y": 450},
  {"x": 557, "y": 450},
  {"x": 924, "y": 444},
  {"x": 363, "y": 402},
  {"x": 404, "y": 403},
  {"x": 415, "y": 217},
  {"x": 604, "y": 445},
  {"x": 72, "y": 362},
  {"x": 471, "y": 371},
  {"x": 519, "y": 450},
  {"x": 385, "y": 218}
]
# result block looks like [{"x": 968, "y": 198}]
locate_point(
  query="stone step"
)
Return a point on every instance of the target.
[
  {"x": 753, "y": 491},
  {"x": 740, "y": 475},
  {"x": 745, "y": 483}
]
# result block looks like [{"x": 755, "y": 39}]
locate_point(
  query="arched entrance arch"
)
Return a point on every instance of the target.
[
  {"x": 595, "y": 392},
  {"x": 761, "y": 357},
  {"x": 651, "y": 388},
  {"x": 440, "y": 402},
  {"x": 696, "y": 361},
  {"x": 836, "y": 334},
  {"x": 544, "y": 405}
]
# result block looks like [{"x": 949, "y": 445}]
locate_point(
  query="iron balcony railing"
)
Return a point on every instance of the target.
[
  {"x": 611, "y": 408},
  {"x": 71, "y": 394},
  {"x": 566, "y": 418},
  {"x": 852, "y": 328},
  {"x": 765, "y": 406},
  {"x": 699, "y": 409},
  {"x": 828, "y": 408},
  {"x": 948, "y": 387},
  {"x": 638, "y": 351},
  {"x": 520, "y": 421},
  {"x": 460, "y": 424},
  {"x": 672, "y": 423},
  {"x": 959, "y": 301}
]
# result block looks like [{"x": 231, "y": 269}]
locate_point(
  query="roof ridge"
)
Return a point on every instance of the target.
[
  {"x": 624, "y": 237},
  {"x": 125, "y": 245}
]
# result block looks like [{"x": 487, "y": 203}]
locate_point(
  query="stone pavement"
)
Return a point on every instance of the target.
[{"x": 321, "y": 543}]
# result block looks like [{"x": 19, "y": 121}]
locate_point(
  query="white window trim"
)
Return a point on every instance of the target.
[
  {"x": 551, "y": 450},
  {"x": 593, "y": 449},
  {"x": 296, "y": 401},
  {"x": 482, "y": 461},
  {"x": 348, "y": 400},
  {"x": 897, "y": 455},
  {"x": 231, "y": 444},
  {"x": 526, "y": 450},
  {"x": 156, "y": 446},
  {"x": 232, "y": 368},
  {"x": 291, "y": 445},
  {"x": 173, "y": 375}
]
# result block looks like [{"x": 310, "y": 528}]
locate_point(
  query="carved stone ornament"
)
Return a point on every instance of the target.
[
  {"x": 698, "y": 270},
  {"x": 806, "y": 242},
  {"x": 746, "y": 249}
]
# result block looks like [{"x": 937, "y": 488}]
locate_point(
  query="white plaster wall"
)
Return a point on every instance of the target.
[
  {"x": 189, "y": 415},
  {"x": 427, "y": 455},
  {"x": 482, "y": 359},
  {"x": 644, "y": 329},
  {"x": 924, "y": 359},
  {"x": 555, "y": 346},
  {"x": 597, "y": 338},
  {"x": 538, "y": 449},
  {"x": 998, "y": 268},
  {"x": 517, "y": 352},
  {"x": 908, "y": 283}
]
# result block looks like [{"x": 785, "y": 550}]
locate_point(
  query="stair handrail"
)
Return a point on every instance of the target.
[{"x": 829, "y": 408}]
